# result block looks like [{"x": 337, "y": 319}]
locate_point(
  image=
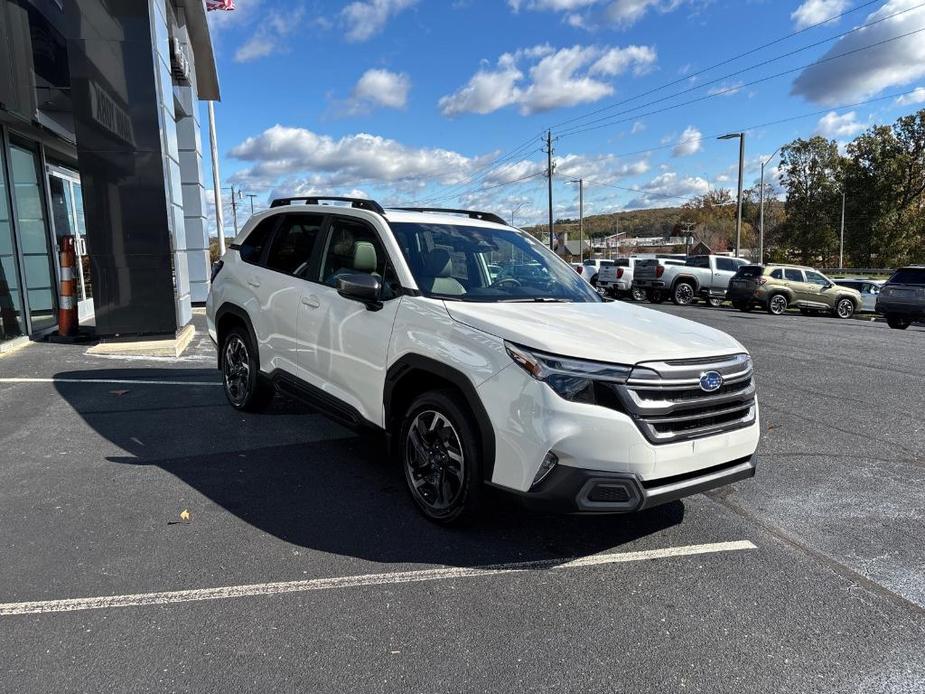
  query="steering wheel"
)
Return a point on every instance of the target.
[{"x": 506, "y": 281}]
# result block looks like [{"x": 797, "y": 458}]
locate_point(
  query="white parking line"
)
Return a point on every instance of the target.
[
  {"x": 110, "y": 381},
  {"x": 224, "y": 593}
]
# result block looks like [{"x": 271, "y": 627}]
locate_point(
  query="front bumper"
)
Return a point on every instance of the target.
[{"x": 575, "y": 490}]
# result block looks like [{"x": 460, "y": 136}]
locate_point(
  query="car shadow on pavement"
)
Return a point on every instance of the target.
[{"x": 295, "y": 475}]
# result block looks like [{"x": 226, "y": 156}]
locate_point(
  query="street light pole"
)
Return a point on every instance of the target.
[
  {"x": 216, "y": 182},
  {"x": 581, "y": 218},
  {"x": 841, "y": 247},
  {"x": 761, "y": 209},
  {"x": 741, "y": 137}
]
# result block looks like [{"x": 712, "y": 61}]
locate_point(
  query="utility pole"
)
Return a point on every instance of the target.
[
  {"x": 252, "y": 196},
  {"x": 761, "y": 209},
  {"x": 841, "y": 247},
  {"x": 549, "y": 172},
  {"x": 234, "y": 209},
  {"x": 741, "y": 137},
  {"x": 688, "y": 228},
  {"x": 216, "y": 182}
]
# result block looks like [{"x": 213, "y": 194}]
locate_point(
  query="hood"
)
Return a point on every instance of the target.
[{"x": 615, "y": 332}]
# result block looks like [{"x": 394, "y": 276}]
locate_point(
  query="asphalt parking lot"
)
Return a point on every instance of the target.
[{"x": 304, "y": 567}]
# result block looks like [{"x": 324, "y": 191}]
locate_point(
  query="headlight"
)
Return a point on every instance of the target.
[{"x": 573, "y": 379}]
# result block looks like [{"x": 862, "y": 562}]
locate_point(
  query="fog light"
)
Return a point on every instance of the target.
[{"x": 549, "y": 462}]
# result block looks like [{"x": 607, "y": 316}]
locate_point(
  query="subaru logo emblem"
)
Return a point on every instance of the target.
[{"x": 711, "y": 381}]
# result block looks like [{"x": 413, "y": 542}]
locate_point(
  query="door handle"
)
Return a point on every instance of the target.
[
  {"x": 311, "y": 301},
  {"x": 253, "y": 281}
]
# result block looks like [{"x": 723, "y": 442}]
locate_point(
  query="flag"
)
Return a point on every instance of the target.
[{"x": 219, "y": 4}]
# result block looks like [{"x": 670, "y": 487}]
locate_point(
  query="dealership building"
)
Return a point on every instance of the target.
[{"x": 100, "y": 139}]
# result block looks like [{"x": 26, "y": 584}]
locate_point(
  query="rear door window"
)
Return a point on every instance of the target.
[
  {"x": 698, "y": 261},
  {"x": 792, "y": 275},
  {"x": 726, "y": 264}
]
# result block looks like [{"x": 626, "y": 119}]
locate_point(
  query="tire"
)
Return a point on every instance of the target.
[
  {"x": 777, "y": 305},
  {"x": 714, "y": 302},
  {"x": 593, "y": 281},
  {"x": 440, "y": 454},
  {"x": 655, "y": 296},
  {"x": 844, "y": 308},
  {"x": 898, "y": 322},
  {"x": 243, "y": 386},
  {"x": 683, "y": 294},
  {"x": 744, "y": 307},
  {"x": 638, "y": 294}
]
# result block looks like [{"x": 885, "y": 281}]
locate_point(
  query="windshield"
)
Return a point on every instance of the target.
[{"x": 466, "y": 263}]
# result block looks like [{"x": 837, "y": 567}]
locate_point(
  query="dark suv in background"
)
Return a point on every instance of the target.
[{"x": 902, "y": 299}]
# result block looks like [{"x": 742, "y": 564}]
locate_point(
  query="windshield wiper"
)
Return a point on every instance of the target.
[{"x": 536, "y": 300}]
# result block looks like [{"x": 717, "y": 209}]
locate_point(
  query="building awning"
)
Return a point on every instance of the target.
[{"x": 201, "y": 44}]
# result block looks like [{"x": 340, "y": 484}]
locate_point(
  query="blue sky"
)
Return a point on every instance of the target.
[{"x": 415, "y": 101}]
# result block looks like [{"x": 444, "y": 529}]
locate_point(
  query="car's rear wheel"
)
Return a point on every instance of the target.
[
  {"x": 844, "y": 308},
  {"x": 243, "y": 386},
  {"x": 638, "y": 294},
  {"x": 898, "y": 322},
  {"x": 441, "y": 458},
  {"x": 683, "y": 294},
  {"x": 777, "y": 305},
  {"x": 655, "y": 296}
]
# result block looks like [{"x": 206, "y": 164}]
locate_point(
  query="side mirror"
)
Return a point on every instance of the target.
[{"x": 361, "y": 287}]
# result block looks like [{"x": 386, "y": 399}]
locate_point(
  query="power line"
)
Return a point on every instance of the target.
[
  {"x": 768, "y": 124},
  {"x": 732, "y": 89},
  {"x": 719, "y": 64}
]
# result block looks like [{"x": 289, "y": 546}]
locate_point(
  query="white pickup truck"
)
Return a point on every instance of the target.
[
  {"x": 617, "y": 279},
  {"x": 701, "y": 277}
]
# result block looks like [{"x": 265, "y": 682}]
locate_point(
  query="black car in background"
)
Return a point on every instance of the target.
[{"x": 902, "y": 298}]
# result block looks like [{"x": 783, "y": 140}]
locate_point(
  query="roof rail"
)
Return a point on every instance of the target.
[
  {"x": 472, "y": 214},
  {"x": 358, "y": 203}
]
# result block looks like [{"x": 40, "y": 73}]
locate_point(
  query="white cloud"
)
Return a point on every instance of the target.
[
  {"x": 270, "y": 35},
  {"x": 916, "y": 96},
  {"x": 353, "y": 159},
  {"x": 366, "y": 19},
  {"x": 557, "y": 78},
  {"x": 669, "y": 190},
  {"x": 638, "y": 127},
  {"x": 867, "y": 72},
  {"x": 725, "y": 89},
  {"x": 834, "y": 126},
  {"x": 586, "y": 14},
  {"x": 815, "y": 11},
  {"x": 378, "y": 88},
  {"x": 690, "y": 142}
]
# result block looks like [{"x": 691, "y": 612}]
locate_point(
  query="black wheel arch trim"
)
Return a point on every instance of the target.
[
  {"x": 238, "y": 312},
  {"x": 411, "y": 363},
  {"x": 687, "y": 279}
]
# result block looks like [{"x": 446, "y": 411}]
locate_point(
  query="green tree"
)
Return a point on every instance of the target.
[
  {"x": 811, "y": 173},
  {"x": 885, "y": 194}
]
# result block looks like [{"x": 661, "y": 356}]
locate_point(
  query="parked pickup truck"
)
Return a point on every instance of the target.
[
  {"x": 617, "y": 279},
  {"x": 701, "y": 277}
]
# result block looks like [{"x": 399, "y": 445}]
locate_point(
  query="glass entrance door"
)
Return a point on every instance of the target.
[
  {"x": 29, "y": 216},
  {"x": 68, "y": 216},
  {"x": 12, "y": 323}
]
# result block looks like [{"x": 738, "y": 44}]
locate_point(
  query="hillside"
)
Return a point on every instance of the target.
[{"x": 651, "y": 222}]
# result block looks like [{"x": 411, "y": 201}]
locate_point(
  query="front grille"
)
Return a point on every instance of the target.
[{"x": 666, "y": 401}]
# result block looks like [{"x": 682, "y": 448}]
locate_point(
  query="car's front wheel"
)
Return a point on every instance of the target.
[
  {"x": 898, "y": 322},
  {"x": 844, "y": 308},
  {"x": 243, "y": 386},
  {"x": 440, "y": 457},
  {"x": 715, "y": 302}
]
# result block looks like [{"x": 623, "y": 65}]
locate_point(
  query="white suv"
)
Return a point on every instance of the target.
[{"x": 467, "y": 343}]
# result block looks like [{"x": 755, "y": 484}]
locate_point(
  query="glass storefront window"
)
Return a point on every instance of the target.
[
  {"x": 29, "y": 215},
  {"x": 11, "y": 319}
]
